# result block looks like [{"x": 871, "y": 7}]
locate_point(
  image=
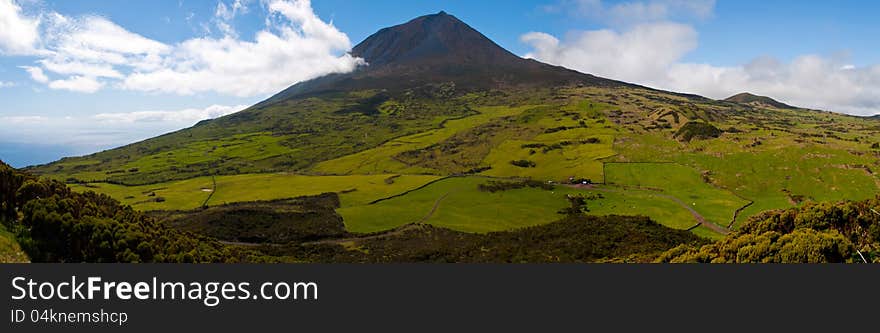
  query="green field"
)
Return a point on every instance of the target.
[
  {"x": 381, "y": 160},
  {"x": 578, "y": 160},
  {"x": 716, "y": 205},
  {"x": 192, "y": 193},
  {"x": 780, "y": 173},
  {"x": 562, "y": 148},
  {"x": 354, "y": 190},
  {"x": 175, "y": 195},
  {"x": 461, "y": 206}
]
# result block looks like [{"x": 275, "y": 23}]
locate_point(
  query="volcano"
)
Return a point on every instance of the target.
[
  {"x": 414, "y": 77},
  {"x": 439, "y": 48},
  {"x": 445, "y": 147}
]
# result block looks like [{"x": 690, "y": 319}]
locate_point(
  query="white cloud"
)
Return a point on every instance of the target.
[
  {"x": 18, "y": 34},
  {"x": 640, "y": 54},
  {"x": 224, "y": 14},
  {"x": 103, "y": 130},
  {"x": 651, "y": 54},
  {"x": 303, "y": 47},
  {"x": 36, "y": 73},
  {"x": 232, "y": 10},
  {"x": 295, "y": 46},
  {"x": 83, "y": 49},
  {"x": 810, "y": 81},
  {"x": 19, "y": 120},
  {"x": 97, "y": 34},
  {"x": 179, "y": 116},
  {"x": 83, "y": 84},
  {"x": 7, "y": 84},
  {"x": 80, "y": 68},
  {"x": 93, "y": 47}
]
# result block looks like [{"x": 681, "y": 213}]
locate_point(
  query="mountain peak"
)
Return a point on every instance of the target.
[
  {"x": 749, "y": 98},
  {"x": 433, "y": 39},
  {"x": 438, "y": 48}
]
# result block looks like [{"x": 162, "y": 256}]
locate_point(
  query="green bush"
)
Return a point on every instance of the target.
[
  {"x": 814, "y": 233},
  {"x": 523, "y": 163},
  {"x": 697, "y": 130}
]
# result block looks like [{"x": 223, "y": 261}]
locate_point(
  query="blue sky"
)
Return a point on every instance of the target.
[{"x": 81, "y": 76}]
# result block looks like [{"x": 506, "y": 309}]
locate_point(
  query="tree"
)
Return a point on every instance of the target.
[{"x": 577, "y": 205}]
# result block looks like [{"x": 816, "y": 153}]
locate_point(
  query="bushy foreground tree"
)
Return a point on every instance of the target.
[
  {"x": 54, "y": 224},
  {"x": 814, "y": 233}
]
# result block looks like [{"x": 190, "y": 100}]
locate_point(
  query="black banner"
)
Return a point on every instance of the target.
[{"x": 413, "y": 298}]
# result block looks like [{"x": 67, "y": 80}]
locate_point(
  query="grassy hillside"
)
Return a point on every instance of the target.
[
  {"x": 219, "y": 190},
  {"x": 387, "y": 157},
  {"x": 368, "y": 145}
]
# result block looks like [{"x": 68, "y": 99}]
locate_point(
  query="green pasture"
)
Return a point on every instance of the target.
[
  {"x": 381, "y": 159},
  {"x": 779, "y": 173},
  {"x": 684, "y": 183},
  {"x": 461, "y": 206},
  {"x": 576, "y": 160},
  {"x": 192, "y": 193},
  {"x": 173, "y": 195},
  {"x": 354, "y": 190}
]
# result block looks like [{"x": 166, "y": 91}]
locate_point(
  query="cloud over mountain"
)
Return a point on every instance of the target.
[{"x": 651, "y": 48}]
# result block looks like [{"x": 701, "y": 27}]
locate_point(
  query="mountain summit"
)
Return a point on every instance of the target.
[
  {"x": 433, "y": 39},
  {"x": 764, "y": 101},
  {"x": 437, "y": 49}
]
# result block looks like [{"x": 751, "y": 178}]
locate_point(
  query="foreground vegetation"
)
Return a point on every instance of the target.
[
  {"x": 10, "y": 251},
  {"x": 570, "y": 240},
  {"x": 55, "y": 224},
  {"x": 52, "y": 223},
  {"x": 646, "y": 151},
  {"x": 815, "y": 233}
]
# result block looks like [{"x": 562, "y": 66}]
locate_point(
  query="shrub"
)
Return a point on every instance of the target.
[
  {"x": 697, "y": 130},
  {"x": 498, "y": 186},
  {"x": 523, "y": 163}
]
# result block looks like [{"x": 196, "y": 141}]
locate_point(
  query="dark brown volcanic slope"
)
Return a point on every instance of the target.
[
  {"x": 435, "y": 49},
  {"x": 439, "y": 38}
]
